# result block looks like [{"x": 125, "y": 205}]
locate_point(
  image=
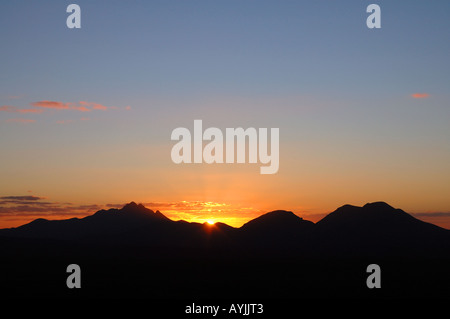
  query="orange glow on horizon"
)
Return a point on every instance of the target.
[{"x": 190, "y": 211}]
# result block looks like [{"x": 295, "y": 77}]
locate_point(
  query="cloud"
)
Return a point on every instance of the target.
[
  {"x": 6, "y": 108},
  {"x": 94, "y": 106},
  {"x": 420, "y": 95},
  {"x": 200, "y": 211},
  {"x": 37, "y": 200},
  {"x": 13, "y": 109},
  {"x": 21, "y": 198},
  {"x": 51, "y": 105},
  {"x": 27, "y": 205},
  {"x": 432, "y": 214},
  {"x": 82, "y": 106},
  {"x": 43, "y": 106}
]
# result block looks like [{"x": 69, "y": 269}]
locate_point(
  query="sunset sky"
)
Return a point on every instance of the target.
[{"x": 86, "y": 114}]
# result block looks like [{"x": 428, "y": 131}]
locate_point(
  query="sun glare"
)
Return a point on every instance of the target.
[{"x": 210, "y": 222}]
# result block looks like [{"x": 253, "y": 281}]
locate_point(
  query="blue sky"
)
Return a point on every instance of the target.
[{"x": 228, "y": 47}]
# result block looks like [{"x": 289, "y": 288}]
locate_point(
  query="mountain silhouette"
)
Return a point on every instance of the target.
[
  {"x": 378, "y": 217},
  {"x": 137, "y": 252},
  {"x": 380, "y": 227},
  {"x": 375, "y": 225},
  {"x": 278, "y": 229},
  {"x": 103, "y": 223},
  {"x": 277, "y": 220}
]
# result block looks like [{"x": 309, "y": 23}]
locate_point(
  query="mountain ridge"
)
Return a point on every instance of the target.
[
  {"x": 373, "y": 214},
  {"x": 135, "y": 252},
  {"x": 373, "y": 225},
  {"x": 135, "y": 209}
]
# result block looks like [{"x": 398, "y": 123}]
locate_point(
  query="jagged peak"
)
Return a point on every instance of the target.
[{"x": 132, "y": 205}]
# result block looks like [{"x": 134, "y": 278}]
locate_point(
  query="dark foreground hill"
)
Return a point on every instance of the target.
[{"x": 136, "y": 252}]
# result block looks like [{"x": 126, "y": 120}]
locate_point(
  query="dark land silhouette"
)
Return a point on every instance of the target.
[{"x": 136, "y": 252}]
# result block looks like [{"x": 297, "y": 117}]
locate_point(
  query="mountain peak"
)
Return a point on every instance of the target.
[
  {"x": 378, "y": 205},
  {"x": 130, "y": 211},
  {"x": 276, "y": 215},
  {"x": 275, "y": 220},
  {"x": 350, "y": 210},
  {"x": 351, "y": 214},
  {"x": 132, "y": 205},
  {"x": 133, "y": 210},
  {"x": 375, "y": 220}
]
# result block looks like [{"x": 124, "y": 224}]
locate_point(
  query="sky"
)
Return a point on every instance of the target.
[{"x": 86, "y": 115}]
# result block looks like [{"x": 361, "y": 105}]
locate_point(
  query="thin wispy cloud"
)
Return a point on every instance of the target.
[
  {"x": 420, "y": 95},
  {"x": 81, "y": 106},
  {"x": 51, "y": 105},
  {"x": 28, "y": 206},
  {"x": 20, "y": 198},
  {"x": 41, "y": 106},
  {"x": 200, "y": 211},
  {"x": 13, "y": 109},
  {"x": 94, "y": 106},
  {"x": 431, "y": 214},
  {"x": 48, "y": 106}
]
